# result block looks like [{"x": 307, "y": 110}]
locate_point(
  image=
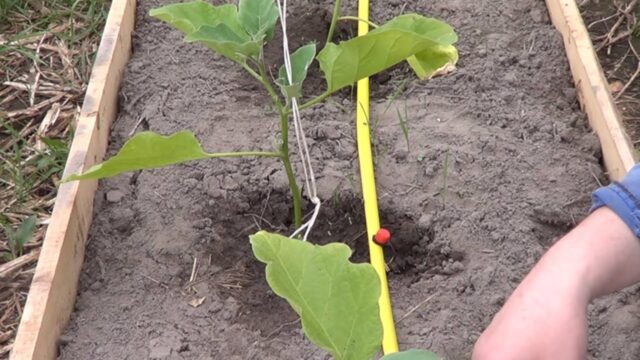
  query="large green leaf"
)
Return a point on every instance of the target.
[
  {"x": 224, "y": 40},
  {"x": 190, "y": 16},
  {"x": 412, "y": 355},
  {"x": 258, "y": 17},
  {"x": 301, "y": 59},
  {"x": 217, "y": 27},
  {"x": 404, "y": 36},
  {"x": 437, "y": 60},
  {"x": 148, "y": 150},
  {"x": 337, "y": 300}
]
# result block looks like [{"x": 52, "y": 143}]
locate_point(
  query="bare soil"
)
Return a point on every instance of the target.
[{"x": 498, "y": 165}]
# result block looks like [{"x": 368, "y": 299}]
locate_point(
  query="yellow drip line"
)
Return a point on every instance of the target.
[{"x": 367, "y": 175}]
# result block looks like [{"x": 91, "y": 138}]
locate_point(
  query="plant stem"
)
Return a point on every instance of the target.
[
  {"x": 284, "y": 155},
  {"x": 264, "y": 79},
  {"x": 284, "y": 147},
  {"x": 245, "y": 153},
  {"x": 251, "y": 71},
  {"x": 355, "y": 18},
  {"x": 314, "y": 101},
  {"x": 334, "y": 21}
]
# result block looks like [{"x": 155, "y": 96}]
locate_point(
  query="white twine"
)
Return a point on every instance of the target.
[{"x": 303, "y": 148}]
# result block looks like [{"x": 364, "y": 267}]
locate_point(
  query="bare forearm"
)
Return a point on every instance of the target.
[
  {"x": 547, "y": 312},
  {"x": 600, "y": 256},
  {"x": 546, "y": 316},
  {"x": 611, "y": 250}
]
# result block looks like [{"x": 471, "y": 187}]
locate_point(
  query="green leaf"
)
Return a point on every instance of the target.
[
  {"x": 22, "y": 235},
  {"x": 258, "y": 17},
  {"x": 217, "y": 27},
  {"x": 224, "y": 40},
  {"x": 301, "y": 59},
  {"x": 189, "y": 17},
  {"x": 337, "y": 300},
  {"x": 404, "y": 36},
  {"x": 438, "y": 60},
  {"x": 412, "y": 354},
  {"x": 55, "y": 145},
  {"x": 147, "y": 150}
]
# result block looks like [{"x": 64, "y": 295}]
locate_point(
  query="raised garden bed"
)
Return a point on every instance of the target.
[{"x": 499, "y": 162}]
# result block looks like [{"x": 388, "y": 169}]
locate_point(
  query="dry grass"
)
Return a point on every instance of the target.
[
  {"x": 46, "y": 52},
  {"x": 615, "y": 32}
]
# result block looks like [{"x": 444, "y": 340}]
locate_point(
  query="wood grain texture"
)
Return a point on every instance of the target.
[
  {"x": 53, "y": 289},
  {"x": 592, "y": 88}
]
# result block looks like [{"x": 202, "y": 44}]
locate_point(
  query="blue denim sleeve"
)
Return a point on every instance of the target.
[{"x": 623, "y": 198}]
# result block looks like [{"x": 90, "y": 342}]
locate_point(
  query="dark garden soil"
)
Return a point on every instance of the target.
[{"x": 498, "y": 165}]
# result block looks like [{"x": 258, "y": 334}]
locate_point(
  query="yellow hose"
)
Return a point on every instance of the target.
[{"x": 367, "y": 175}]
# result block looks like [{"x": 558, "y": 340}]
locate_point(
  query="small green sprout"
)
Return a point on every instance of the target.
[
  {"x": 19, "y": 237},
  {"x": 403, "y": 120},
  {"x": 445, "y": 175}
]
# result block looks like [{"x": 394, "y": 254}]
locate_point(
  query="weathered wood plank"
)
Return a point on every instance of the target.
[
  {"x": 54, "y": 286},
  {"x": 592, "y": 88}
]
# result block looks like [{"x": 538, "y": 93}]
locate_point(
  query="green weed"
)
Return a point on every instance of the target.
[
  {"x": 399, "y": 89},
  {"x": 403, "y": 119},
  {"x": 445, "y": 175},
  {"x": 25, "y": 170},
  {"x": 19, "y": 237}
]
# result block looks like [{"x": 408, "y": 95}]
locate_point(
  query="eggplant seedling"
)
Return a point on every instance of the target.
[{"x": 240, "y": 33}]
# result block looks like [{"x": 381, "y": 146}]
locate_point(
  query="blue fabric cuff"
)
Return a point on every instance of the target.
[{"x": 623, "y": 198}]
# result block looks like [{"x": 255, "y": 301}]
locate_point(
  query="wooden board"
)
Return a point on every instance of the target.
[
  {"x": 53, "y": 289},
  {"x": 592, "y": 88}
]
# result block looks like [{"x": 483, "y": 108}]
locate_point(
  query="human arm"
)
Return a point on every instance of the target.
[{"x": 545, "y": 317}]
